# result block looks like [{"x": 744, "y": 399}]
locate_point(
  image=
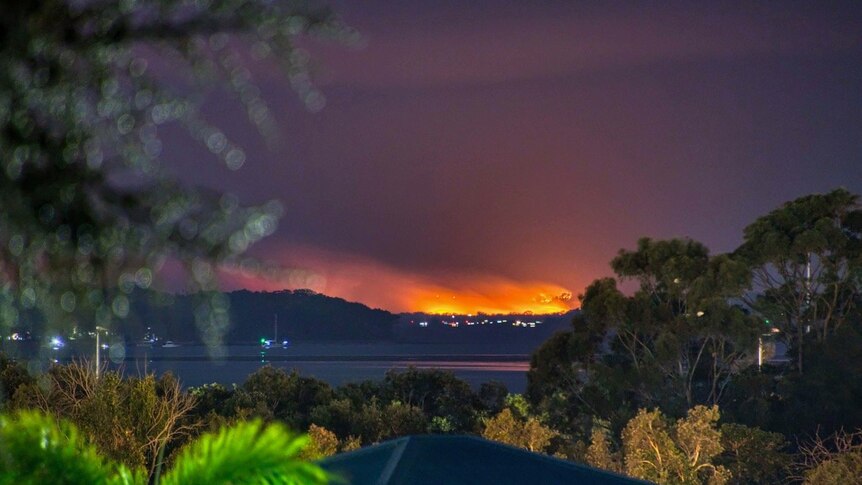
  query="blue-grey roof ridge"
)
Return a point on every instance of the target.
[{"x": 446, "y": 459}]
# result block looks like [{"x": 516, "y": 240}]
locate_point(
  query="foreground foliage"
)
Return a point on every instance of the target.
[
  {"x": 528, "y": 433},
  {"x": 35, "y": 448},
  {"x": 682, "y": 452},
  {"x": 130, "y": 420},
  {"x": 834, "y": 460},
  {"x": 653, "y": 444},
  {"x": 248, "y": 453}
]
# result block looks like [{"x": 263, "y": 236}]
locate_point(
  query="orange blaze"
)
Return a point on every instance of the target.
[
  {"x": 382, "y": 286},
  {"x": 491, "y": 296}
]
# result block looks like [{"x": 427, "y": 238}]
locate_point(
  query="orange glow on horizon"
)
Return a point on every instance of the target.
[
  {"x": 495, "y": 298},
  {"x": 381, "y": 286}
]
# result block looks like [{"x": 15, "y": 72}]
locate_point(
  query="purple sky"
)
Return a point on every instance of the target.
[{"x": 494, "y": 151}]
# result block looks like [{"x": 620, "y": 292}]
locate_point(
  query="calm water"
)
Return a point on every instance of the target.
[{"x": 334, "y": 363}]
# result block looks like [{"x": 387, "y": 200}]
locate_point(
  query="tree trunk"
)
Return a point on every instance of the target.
[{"x": 800, "y": 337}]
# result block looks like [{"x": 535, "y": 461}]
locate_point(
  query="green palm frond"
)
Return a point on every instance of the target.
[
  {"x": 246, "y": 454},
  {"x": 35, "y": 449}
]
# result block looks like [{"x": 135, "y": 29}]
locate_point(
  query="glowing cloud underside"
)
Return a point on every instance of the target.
[{"x": 381, "y": 286}]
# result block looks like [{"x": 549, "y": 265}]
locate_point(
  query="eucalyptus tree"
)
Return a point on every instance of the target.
[
  {"x": 526, "y": 432},
  {"x": 675, "y": 341},
  {"x": 681, "y": 321},
  {"x": 87, "y": 212},
  {"x": 684, "y": 451},
  {"x": 806, "y": 266}
]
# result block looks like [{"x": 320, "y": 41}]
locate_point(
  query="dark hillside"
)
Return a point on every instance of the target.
[{"x": 302, "y": 315}]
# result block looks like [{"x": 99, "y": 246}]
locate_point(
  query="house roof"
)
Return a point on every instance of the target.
[{"x": 453, "y": 460}]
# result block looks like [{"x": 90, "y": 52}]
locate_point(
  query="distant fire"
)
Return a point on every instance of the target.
[
  {"x": 380, "y": 286},
  {"x": 493, "y": 298}
]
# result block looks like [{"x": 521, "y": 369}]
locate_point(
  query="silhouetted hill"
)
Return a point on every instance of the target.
[
  {"x": 302, "y": 315},
  {"x": 306, "y": 315}
]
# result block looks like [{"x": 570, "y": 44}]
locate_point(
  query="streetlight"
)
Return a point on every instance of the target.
[
  {"x": 98, "y": 347},
  {"x": 772, "y": 331},
  {"x": 759, "y": 352}
]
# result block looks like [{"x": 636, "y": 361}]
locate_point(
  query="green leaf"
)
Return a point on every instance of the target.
[
  {"x": 247, "y": 454},
  {"x": 35, "y": 449}
]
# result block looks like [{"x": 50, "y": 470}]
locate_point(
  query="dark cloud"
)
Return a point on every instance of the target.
[{"x": 513, "y": 143}]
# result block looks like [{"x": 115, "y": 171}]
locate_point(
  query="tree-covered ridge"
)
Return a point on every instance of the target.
[
  {"x": 308, "y": 315},
  {"x": 299, "y": 314}
]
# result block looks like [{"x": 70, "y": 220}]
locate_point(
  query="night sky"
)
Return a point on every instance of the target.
[{"x": 488, "y": 157}]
